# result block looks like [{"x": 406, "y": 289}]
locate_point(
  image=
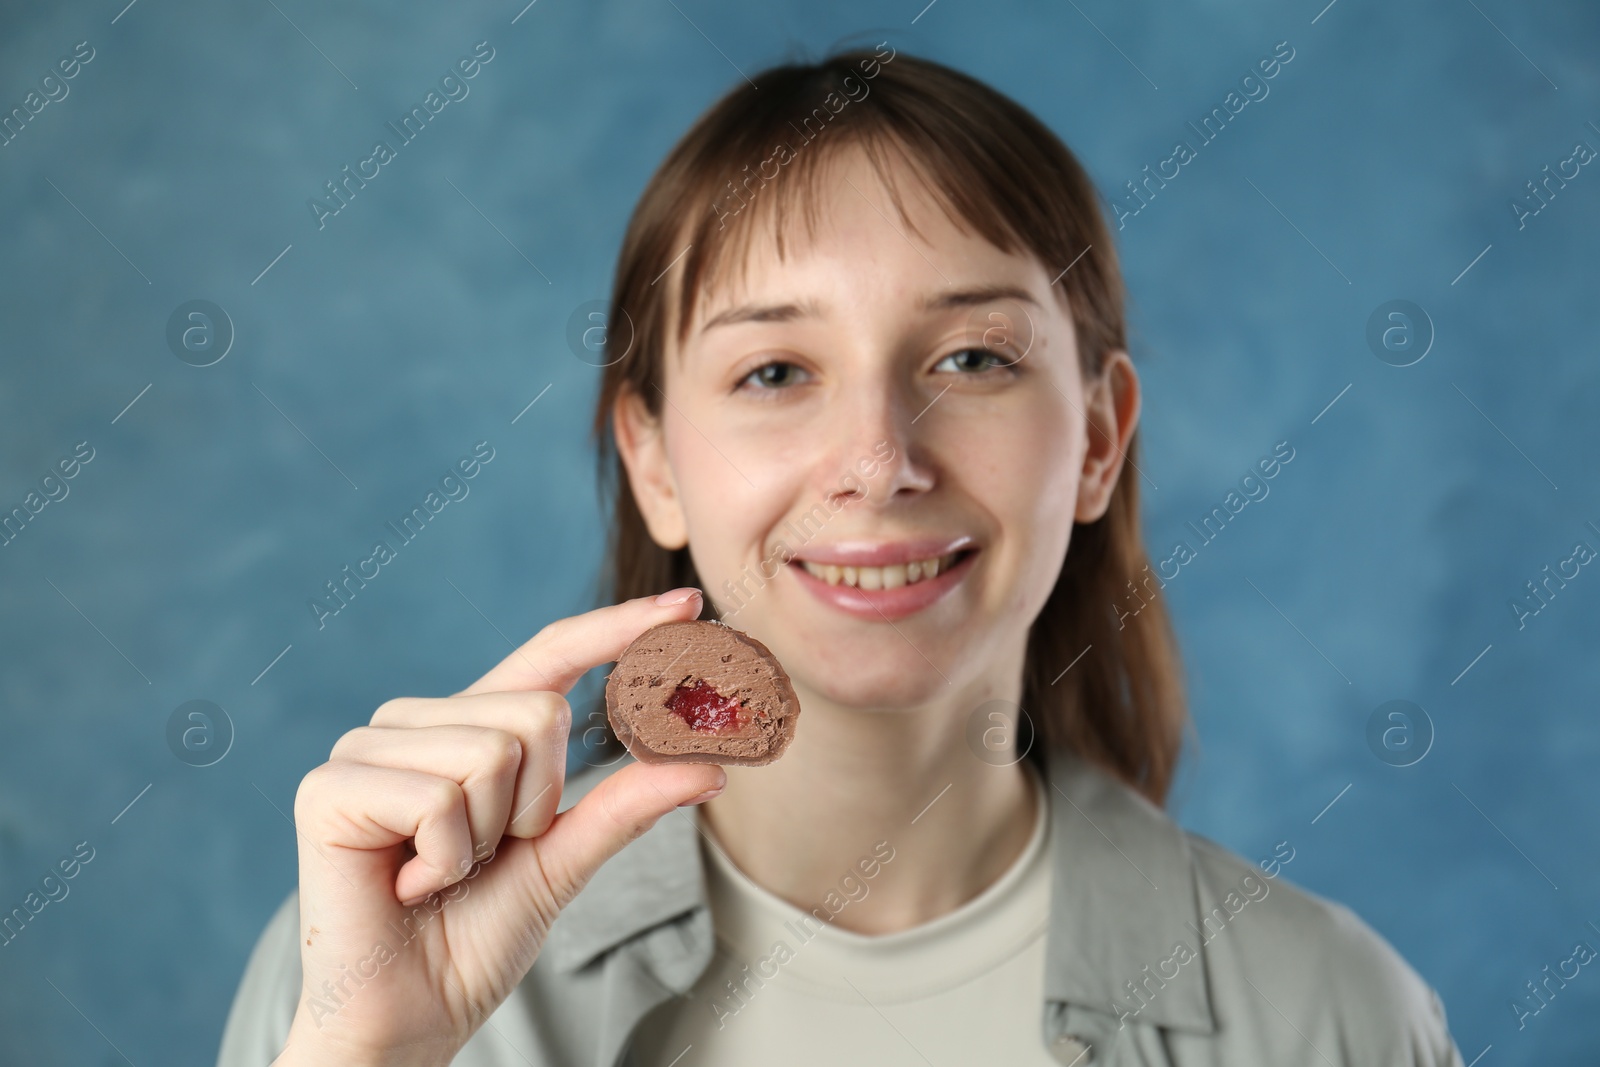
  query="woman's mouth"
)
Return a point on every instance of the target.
[
  {"x": 884, "y": 590},
  {"x": 890, "y": 577}
]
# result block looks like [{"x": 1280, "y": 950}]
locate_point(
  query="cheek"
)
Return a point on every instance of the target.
[
  {"x": 1023, "y": 470},
  {"x": 732, "y": 497},
  {"x": 1024, "y": 464}
]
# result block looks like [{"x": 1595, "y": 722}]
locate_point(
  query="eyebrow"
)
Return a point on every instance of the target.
[
  {"x": 764, "y": 313},
  {"x": 972, "y": 297},
  {"x": 944, "y": 300}
]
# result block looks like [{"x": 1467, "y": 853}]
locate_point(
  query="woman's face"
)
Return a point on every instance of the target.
[{"x": 835, "y": 418}]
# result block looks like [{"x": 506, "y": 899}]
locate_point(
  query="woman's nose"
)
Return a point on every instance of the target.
[{"x": 882, "y": 457}]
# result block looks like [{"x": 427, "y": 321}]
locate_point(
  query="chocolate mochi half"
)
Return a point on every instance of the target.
[{"x": 701, "y": 692}]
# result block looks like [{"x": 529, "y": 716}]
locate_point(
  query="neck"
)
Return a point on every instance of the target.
[{"x": 856, "y": 786}]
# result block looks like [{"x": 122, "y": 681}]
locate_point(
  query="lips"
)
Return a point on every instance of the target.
[
  {"x": 884, "y": 553},
  {"x": 885, "y": 581}
]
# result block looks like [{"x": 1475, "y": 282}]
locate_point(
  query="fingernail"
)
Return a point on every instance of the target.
[
  {"x": 677, "y": 596},
  {"x": 707, "y": 795},
  {"x": 414, "y": 901}
]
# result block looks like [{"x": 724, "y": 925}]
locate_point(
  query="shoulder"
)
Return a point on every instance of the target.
[{"x": 1314, "y": 960}]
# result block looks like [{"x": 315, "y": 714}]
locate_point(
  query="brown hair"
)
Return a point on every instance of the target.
[{"x": 994, "y": 167}]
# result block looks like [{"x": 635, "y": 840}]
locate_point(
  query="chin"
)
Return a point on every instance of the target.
[{"x": 895, "y": 678}]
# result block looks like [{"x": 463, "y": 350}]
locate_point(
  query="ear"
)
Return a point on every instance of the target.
[
  {"x": 643, "y": 450},
  {"x": 1111, "y": 410}
]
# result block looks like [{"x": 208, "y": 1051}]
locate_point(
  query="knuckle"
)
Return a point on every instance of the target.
[
  {"x": 442, "y": 797},
  {"x": 501, "y": 749},
  {"x": 350, "y": 742},
  {"x": 308, "y": 795},
  {"x": 389, "y": 712},
  {"x": 551, "y": 633},
  {"x": 552, "y": 714}
]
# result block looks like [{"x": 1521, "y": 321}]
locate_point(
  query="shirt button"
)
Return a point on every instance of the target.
[{"x": 1071, "y": 1050}]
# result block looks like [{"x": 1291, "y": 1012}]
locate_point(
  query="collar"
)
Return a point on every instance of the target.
[{"x": 1123, "y": 896}]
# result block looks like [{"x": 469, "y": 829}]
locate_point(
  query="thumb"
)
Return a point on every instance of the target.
[{"x": 618, "y": 810}]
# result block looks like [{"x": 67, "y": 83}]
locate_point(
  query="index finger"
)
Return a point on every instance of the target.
[{"x": 561, "y": 653}]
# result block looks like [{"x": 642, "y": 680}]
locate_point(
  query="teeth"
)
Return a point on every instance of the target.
[{"x": 891, "y": 577}]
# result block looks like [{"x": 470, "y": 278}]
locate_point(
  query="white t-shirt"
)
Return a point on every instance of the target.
[{"x": 785, "y": 988}]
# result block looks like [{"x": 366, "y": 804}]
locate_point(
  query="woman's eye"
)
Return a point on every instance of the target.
[
  {"x": 974, "y": 360},
  {"x": 775, "y": 375}
]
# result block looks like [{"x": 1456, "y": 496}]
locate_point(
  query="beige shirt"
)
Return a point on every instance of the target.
[{"x": 787, "y": 986}]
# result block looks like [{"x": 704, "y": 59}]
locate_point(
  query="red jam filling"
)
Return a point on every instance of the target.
[{"x": 703, "y": 708}]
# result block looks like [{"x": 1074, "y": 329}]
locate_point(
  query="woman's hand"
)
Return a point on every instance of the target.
[{"x": 408, "y": 940}]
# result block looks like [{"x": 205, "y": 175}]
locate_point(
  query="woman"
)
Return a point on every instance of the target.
[{"x": 897, "y": 444}]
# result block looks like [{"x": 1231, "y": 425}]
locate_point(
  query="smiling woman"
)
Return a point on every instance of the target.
[
  {"x": 1018, "y": 206},
  {"x": 838, "y": 311},
  {"x": 933, "y": 286}
]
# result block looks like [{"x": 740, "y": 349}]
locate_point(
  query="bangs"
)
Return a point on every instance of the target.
[{"x": 768, "y": 176}]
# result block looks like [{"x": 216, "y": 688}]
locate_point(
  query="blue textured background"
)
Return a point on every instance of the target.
[{"x": 1383, "y": 161}]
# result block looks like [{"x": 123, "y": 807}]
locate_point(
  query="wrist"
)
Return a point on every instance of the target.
[{"x": 306, "y": 1048}]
